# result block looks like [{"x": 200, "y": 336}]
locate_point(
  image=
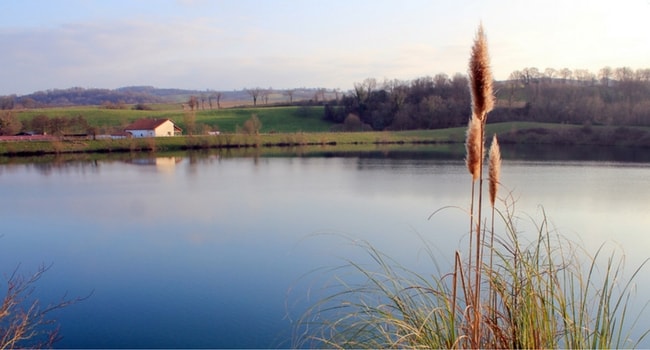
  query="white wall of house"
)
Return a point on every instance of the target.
[{"x": 142, "y": 133}]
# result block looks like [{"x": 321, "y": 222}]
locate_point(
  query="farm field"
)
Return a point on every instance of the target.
[
  {"x": 288, "y": 126},
  {"x": 274, "y": 119}
]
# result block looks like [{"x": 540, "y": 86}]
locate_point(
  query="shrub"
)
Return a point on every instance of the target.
[
  {"x": 353, "y": 123},
  {"x": 142, "y": 107},
  {"x": 252, "y": 126}
]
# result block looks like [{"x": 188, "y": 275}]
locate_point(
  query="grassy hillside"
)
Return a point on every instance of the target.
[
  {"x": 274, "y": 119},
  {"x": 290, "y": 126}
]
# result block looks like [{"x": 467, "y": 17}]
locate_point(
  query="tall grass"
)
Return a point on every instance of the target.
[{"x": 507, "y": 290}]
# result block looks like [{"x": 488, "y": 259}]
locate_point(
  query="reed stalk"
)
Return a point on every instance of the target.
[
  {"x": 480, "y": 79},
  {"x": 536, "y": 295},
  {"x": 494, "y": 171},
  {"x": 473, "y": 160}
]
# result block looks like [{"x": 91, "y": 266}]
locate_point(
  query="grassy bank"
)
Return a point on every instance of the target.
[
  {"x": 219, "y": 141},
  {"x": 509, "y": 133}
]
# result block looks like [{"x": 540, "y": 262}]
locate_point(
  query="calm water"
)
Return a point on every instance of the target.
[{"x": 210, "y": 251}]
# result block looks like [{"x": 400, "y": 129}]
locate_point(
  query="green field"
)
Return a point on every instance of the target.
[
  {"x": 274, "y": 119},
  {"x": 292, "y": 126}
]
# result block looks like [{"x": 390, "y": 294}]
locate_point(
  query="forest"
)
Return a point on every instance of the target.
[{"x": 618, "y": 96}]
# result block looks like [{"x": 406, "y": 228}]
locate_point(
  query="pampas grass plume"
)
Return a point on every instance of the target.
[
  {"x": 494, "y": 169},
  {"x": 473, "y": 141},
  {"x": 480, "y": 77}
]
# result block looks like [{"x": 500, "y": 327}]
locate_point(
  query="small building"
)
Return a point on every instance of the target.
[{"x": 153, "y": 128}]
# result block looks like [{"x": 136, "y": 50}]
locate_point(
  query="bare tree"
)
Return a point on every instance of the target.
[
  {"x": 364, "y": 90},
  {"x": 7, "y": 102},
  {"x": 203, "y": 98},
  {"x": 40, "y": 124},
  {"x": 24, "y": 323},
  {"x": 189, "y": 119},
  {"x": 218, "y": 95},
  {"x": 584, "y": 76},
  {"x": 58, "y": 125},
  {"x": 515, "y": 76},
  {"x": 566, "y": 74},
  {"x": 265, "y": 93},
  {"x": 605, "y": 75},
  {"x": 441, "y": 80},
  {"x": 459, "y": 83},
  {"x": 530, "y": 75},
  {"x": 193, "y": 103},
  {"x": 549, "y": 74},
  {"x": 623, "y": 74},
  {"x": 643, "y": 74},
  {"x": 399, "y": 92},
  {"x": 9, "y": 123},
  {"x": 254, "y": 93},
  {"x": 319, "y": 95},
  {"x": 289, "y": 93}
]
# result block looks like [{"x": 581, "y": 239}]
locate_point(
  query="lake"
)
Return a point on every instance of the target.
[{"x": 218, "y": 250}]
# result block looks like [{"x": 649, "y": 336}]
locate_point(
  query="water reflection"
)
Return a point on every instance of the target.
[
  {"x": 575, "y": 153},
  {"x": 48, "y": 164},
  {"x": 161, "y": 164},
  {"x": 195, "y": 251}
]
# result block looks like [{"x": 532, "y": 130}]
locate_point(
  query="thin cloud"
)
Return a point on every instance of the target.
[{"x": 234, "y": 44}]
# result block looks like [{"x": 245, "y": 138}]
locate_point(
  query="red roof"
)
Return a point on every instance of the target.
[{"x": 148, "y": 124}]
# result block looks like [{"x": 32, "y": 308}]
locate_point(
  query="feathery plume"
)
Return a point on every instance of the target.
[
  {"x": 480, "y": 77},
  {"x": 494, "y": 169},
  {"x": 473, "y": 140}
]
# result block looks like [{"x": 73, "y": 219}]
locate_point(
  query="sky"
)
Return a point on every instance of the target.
[{"x": 282, "y": 44}]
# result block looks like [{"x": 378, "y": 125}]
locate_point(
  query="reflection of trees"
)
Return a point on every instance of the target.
[
  {"x": 62, "y": 163},
  {"x": 65, "y": 166}
]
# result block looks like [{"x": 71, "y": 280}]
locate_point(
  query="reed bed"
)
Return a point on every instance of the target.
[{"x": 506, "y": 290}]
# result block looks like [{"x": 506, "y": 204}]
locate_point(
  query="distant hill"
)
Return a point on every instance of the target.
[
  {"x": 78, "y": 96},
  {"x": 181, "y": 95}
]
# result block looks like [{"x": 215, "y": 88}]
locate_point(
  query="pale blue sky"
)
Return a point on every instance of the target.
[{"x": 233, "y": 44}]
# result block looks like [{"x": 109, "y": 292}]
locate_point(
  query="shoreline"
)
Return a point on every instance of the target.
[{"x": 508, "y": 133}]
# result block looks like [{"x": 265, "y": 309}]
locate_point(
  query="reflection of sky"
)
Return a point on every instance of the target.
[
  {"x": 216, "y": 244},
  {"x": 597, "y": 204}
]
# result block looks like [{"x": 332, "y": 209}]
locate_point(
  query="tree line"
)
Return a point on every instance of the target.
[
  {"x": 41, "y": 124},
  {"x": 619, "y": 96},
  {"x": 77, "y": 96},
  {"x": 423, "y": 103}
]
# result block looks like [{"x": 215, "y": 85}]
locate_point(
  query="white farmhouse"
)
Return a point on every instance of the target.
[{"x": 153, "y": 128}]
